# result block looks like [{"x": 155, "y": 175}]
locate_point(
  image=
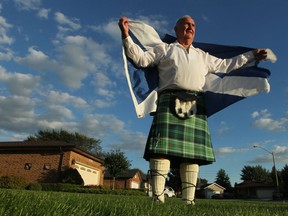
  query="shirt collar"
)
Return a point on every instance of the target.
[{"x": 178, "y": 44}]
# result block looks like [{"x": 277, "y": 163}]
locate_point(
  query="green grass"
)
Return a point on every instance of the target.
[{"x": 21, "y": 202}]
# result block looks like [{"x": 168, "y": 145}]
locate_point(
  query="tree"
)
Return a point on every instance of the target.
[
  {"x": 71, "y": 176},
  {"x": 284, "y": 180},
  {"x": 173, "y": 180},
  {"x": 88, "y": 144},
  {"x": 223, "y": 179},
  {"x": 203, "y": 181},
  {"x": 256, "y": 173},
  {"x": 116, "y": 163},
  {"x": 273, "y": 174}
]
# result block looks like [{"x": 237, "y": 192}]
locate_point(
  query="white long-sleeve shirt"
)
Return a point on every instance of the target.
[{"x": 180, "y": 68}]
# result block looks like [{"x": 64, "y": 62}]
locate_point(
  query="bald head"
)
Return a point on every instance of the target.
[
  {"x": 185, "y": 30},
  {"x": 181, "y": 20}
]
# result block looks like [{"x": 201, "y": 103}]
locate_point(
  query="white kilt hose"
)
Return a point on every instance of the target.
[{"x": 177, "y": 139}]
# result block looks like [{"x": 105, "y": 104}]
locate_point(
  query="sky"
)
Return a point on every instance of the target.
[{"x": 61, "y": 67}]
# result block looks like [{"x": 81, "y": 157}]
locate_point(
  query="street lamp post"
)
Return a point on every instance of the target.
[{"x": 272, "y": 153}]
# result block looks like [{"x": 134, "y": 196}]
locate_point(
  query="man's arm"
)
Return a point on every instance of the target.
[{"x": 132, "y": 50}]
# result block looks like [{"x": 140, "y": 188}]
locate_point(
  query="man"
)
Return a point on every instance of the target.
[{"x": 179, "y": 133}]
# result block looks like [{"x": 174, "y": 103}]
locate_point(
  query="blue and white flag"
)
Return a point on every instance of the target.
[{"x": 221, "y": 89}]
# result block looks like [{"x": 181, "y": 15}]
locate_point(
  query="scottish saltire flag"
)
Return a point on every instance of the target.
[{"x": 221, "y": 89}]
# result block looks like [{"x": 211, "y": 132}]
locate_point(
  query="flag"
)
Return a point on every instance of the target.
[{"x": 221, "y": 89}]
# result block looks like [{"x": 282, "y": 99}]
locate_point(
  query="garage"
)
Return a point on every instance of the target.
[
  {"x": 135, "y": 185},
  {"x": 89, "y": 175}
]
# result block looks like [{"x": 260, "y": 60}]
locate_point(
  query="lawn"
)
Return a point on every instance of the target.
[{"x": 22, "y": 202}]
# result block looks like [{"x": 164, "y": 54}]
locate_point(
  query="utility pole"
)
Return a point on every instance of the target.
[{"x": 276, "y": 175}]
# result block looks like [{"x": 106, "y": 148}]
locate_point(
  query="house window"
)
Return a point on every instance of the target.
[
  {"x": 28, "y": 166},
  {"x": 47, "y": 166}
]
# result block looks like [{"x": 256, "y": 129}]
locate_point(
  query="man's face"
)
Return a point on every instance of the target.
[{"x": 185, "y": 29}]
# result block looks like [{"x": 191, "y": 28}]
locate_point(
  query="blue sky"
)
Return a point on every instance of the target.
[{"x": 61, "y": 68}]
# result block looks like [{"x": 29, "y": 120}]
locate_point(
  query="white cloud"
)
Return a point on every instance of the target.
[
  {"x": 281, "y": 150},
  {"x": 71, "y": 23},
  {"x": 28, "y": 4},
  {"x": 205, "y": 18},
  {"x": 110, "y": 29},
  {"x": 43, "y": 13},
  {"x": 35, "y": 59},
  {"x": 263, "y": 113},
  {"x": 102, "y": 80},
  {"x": 104, "y": 103},
  {"x": 28, "y": 115},
  {"x": 55, "y": 97},
  {"x": 130, "y": 141},
  {"x": 280, "y": 155},
  {"x": 53, "y": 124},
  {"x": 58, "y": 113},
  {"x": 228, "y": 150},
  {"x": 263, "y": 120},
  {"x": 4, "y": 28},
  {"x": 6, "y": 55},
  {"x": 156, "y": 21},
  {"x": 76, "y": 40},
  {"x": 261, "y": 159},
  {"x": 77, "y": 57},
  {"x": 255, "y": 114},
  {"x": 105, "y": 92},
  {"x": 101, "y": 125},
  {"x": 4, "y": 24},
  {"x": 19, "y": 83},
  {"x": 17, "y": 113},
  {"x": 223, "y": 128}
]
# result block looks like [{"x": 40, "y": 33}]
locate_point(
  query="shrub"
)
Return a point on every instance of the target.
[
  {"x": 34, "y": 186},
  {"x": 71, "y": 176},
  {"x": 90, "y": 189},
  {"x": 12, "y": 182},
  {"x": 60, "y": 187},
  {"x": 49, "y": 187}
]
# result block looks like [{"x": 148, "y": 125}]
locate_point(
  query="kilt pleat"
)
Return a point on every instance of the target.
[{"x": 180, "y": 140}]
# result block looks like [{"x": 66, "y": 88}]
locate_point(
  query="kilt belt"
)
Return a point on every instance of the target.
[{"x": 178, "y": 139}]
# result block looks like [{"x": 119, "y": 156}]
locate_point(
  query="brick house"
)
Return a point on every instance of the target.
[
  {"x": 43, "y": 161},
  {"x": 131, "y": 179},
  {"x": 254, "y": 189}
]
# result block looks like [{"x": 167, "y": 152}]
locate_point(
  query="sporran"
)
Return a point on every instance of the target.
[{"x": 185, "y": 105}]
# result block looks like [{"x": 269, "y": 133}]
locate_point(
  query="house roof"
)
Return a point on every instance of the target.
[
  {"x": 45, "y": 145},
  {"x": 207, "y": 186},
  {"x": 130, "y": 173},
  {"x": 252, "y": 183},
  {"x": 33, "y": 144}
]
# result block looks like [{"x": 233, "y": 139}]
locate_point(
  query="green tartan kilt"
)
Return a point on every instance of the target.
[{"x": 179, "y": 140}]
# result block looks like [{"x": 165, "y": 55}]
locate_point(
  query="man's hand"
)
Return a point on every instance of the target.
[
  {"x": 260, "y": 54},
  {"x": 123, "y": 25}
]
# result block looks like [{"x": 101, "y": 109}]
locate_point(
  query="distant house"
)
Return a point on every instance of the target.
[
  {"x": 131, "y": 179},
  {"x": 43, "y": 161},
  {"x": 254, "y": 189},
  {"x": 208, "y": 190}
]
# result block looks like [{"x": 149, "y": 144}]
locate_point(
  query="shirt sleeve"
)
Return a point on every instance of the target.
[
  {"x": 139, "y": 57},
  {"x": 226, "y": 65}
]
